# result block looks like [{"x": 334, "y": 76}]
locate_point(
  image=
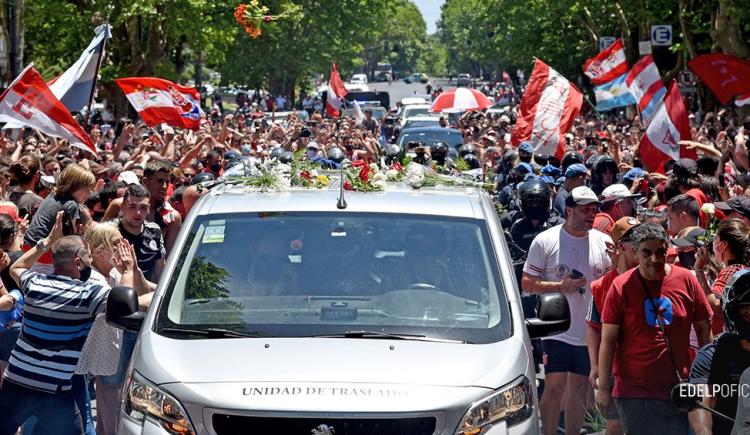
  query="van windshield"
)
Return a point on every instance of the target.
[{"x": 316, "y": 274}]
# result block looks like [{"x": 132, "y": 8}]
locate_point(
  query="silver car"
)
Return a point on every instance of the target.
[{"x": 283, "y": 313}]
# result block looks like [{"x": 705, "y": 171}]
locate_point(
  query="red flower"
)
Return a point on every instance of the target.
[
  {"x": 267, "y": 18},
  {"x": 397, "y": 166},
  {"x": 306, "y": 175},
  {"x": 364, "y": 174},
  {"x": 347, "y": 185},
  {"x": 239, "y": 13}
]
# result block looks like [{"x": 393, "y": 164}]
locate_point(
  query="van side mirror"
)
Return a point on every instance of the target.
[
  {"x": 553, "y": 316},
  {"x": 122, "y": 309}
]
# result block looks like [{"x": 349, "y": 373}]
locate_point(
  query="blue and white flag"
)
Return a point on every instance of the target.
[
  {"x": 614, "y": 94},
  {"x": 75, "y": 87}
]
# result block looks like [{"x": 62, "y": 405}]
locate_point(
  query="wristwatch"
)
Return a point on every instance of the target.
[{"x": 41, "y": 245}]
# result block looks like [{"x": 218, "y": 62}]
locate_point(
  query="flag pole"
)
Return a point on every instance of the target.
[{"x": 96, "y": 75}]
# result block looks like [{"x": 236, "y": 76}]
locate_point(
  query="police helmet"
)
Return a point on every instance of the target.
[
  {"x": 202, "y": 178},
  {"x": 286, "y": 157},
  {"x": 736, "y": 295},
  {"x": 472, "y": 161},
  {"x": 467, "y": 149},
  {"x": 535, "y": 196},
  {"x": 336, "y": 155}
]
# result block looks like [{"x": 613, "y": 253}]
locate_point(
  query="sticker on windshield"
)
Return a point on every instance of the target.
[{"x": 214, "y": 234}]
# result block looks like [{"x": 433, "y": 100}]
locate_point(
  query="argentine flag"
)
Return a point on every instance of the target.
[{"x": 614, "y": 94}]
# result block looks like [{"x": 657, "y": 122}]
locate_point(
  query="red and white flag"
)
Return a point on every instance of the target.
[
  {"x": 548, "y": 108},
  {"x": 644, "y": 82},
  {"x": 336, "y": 93},
  {"x": 726, "y": 76},
  {"x": 742, "y": 100},
  {"x": 161, "y": 101},
  {"x": 608, "y": 65},
  {"x": 29, "y": 101},
  {"x": 669, "y": 126}
]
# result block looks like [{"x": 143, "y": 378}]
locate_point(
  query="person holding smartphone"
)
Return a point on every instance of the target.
[{"x": 567, "y": 258}]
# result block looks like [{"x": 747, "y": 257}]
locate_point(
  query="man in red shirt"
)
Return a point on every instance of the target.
[
  {"x": 625, "y": 260},
  {"x": 648, "y": 312}
]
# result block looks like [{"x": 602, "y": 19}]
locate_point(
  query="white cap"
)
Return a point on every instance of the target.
[
  {"x": 615, "y": 192},
  {"x": 129, "y": 177},
  {"x": 582, "y": 195}
]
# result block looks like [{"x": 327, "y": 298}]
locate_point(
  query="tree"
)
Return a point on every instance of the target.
[
  {"x": 314, "y": 35},
  {"x": 149, "y": 37}
]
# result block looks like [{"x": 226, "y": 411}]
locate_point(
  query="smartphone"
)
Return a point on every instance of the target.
[
  {"x": 67, "y": 222},
  {"x": 575, "y": 274}
]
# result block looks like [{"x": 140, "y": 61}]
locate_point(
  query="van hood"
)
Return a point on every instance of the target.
[{"x": 165, "y": 360}]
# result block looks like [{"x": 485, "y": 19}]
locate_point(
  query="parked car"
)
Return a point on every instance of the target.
[
  {"x": 463, "y": 80},
  {"x": 359, "y": 79},
  {"x": 416, "y": 77},
  {"x": 299, "y": 312}
]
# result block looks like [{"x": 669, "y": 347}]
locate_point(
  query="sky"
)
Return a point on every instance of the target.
[{"x": 430, "y": 12}]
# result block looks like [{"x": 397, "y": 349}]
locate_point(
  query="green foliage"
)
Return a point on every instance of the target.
[
  {"x": 148, "y": 35},
  {"x": 206, "y": 280}
]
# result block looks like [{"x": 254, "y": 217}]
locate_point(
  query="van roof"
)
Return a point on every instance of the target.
[{"x": 446, "y": 201}]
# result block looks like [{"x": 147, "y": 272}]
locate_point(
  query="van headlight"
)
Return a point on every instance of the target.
[
  {"x": 142, "y": 399},
  {"x": 512, "y": 405}
]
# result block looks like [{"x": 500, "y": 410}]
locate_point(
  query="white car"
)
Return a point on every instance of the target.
[
  {"x": 408, "y": 101},
  {"x": 359, "y": 79},
  {"x": 413, "y": 110}
]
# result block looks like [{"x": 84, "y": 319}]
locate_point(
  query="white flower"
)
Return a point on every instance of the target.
[
  {"x": 415, "y": 175},
  {"x": 391, "y": 174},
  {"x": 314, "y": 173},
  {"x": 379, "y": 176},
  {"x": 374, "y": 167},
  {"x": 380, "y": 184},
  {"x": 709, "y": 209}
]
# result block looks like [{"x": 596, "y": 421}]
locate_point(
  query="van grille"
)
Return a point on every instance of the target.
[{"x": 236, "y": 425}]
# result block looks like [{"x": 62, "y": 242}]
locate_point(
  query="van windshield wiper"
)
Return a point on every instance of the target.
[
  {"x": 385, "y": 335},
  {"x": 209, "y": 332}
]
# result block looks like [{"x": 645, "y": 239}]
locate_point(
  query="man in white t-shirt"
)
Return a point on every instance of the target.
[{"x": 566, "y": 259}]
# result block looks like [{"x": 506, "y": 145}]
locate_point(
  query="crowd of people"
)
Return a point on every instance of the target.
[{"x": 652, "y": 264}]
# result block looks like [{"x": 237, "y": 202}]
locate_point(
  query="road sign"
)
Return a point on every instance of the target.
[
  {"x": 661, "y": 35},
  {"x": 644, "y": 47},
  {"x": 686, "y": 77},
  {"x": 606, "y": 41}
]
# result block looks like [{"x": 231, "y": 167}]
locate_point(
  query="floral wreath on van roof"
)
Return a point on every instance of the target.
[{"x": 274, "y": 176}]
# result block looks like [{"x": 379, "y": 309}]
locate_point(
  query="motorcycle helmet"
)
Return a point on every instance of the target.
[
  {"x": 472, "y": 161},
  {"x": 336, "y": 155},
  {"x": 467, "y": 149},
  {"x": 203, "y": 177},
  {"x": 439, "y": 152},
  {"x": 736, "y": 295},
  {"x": 535, "y": 195}
]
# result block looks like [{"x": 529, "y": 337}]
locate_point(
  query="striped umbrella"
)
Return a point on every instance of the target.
[{"x": 460, "y": 100}]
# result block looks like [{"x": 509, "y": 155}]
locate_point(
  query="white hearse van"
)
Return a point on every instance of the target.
[{"x": 302, "y": 312}]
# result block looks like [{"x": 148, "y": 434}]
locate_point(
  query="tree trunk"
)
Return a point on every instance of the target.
[
  {"x": 588, "y": 25},
  {"x": 726, "y": 32},
  {"x": 687, "y": 31}
]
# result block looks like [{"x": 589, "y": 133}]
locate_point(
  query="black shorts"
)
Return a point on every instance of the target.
[{"x": 561, "y": 357}]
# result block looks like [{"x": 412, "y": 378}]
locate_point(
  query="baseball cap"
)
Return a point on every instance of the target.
[
  {"x": 689, "y": 238},
  {"x": 525, "y": 166},
  {"x": 551, "y": 170},
  {"x": 622, "y": 227},
  {"x": 582, "y": 195},
  {"x": 739, "y": 204},
  {"x": 575, "y": 170},
  {"x": 11, "y": 211},
  {"x": 615, "y": 192},
  {"x": 526, "y": 147},
  {"x": 128, "y": 177},
  {"x": 634, "y": 173}
]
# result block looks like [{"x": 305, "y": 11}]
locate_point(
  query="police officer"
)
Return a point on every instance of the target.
[
  {"x": 535, "y": 215},
  {"x": 517, "y": 175},
  {"x": 439, "y": 154},
  {"x": 731, "y": 357}
]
